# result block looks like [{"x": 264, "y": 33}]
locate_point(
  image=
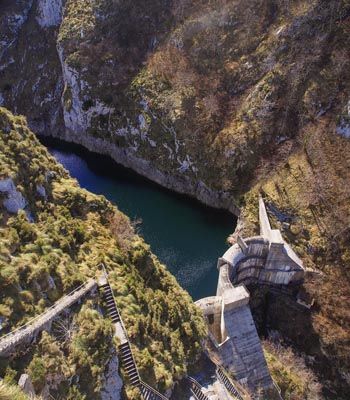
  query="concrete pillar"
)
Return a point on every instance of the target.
[
  {"x": 233, "y": 298},
  {"x": 242, "y": 244},
  {"x": 265, "y": 227}
]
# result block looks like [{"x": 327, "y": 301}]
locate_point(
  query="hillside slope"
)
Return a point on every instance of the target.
[
  {"x": 218, "y": 99},
  {"x": 53, "y": 236}
]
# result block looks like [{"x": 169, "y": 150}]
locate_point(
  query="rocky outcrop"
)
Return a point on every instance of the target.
[
  {"x": 343, "y": 126},
  {"x": 76, "y": 119},
  {"x": 49, "y": 13},
  {"x": 25, "y": 383},
  {"x": 11, "y": 21},
  {"x": 30, "y": 80},
  {"x": 14, "y": 200},
  {"x": 113, "y": 383}
]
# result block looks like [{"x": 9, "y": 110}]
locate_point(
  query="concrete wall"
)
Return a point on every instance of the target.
[
  {"x": 265, "y": 260},
  {"x": 235, "y": 337},
  {"x": 245, "y": 360},
  {"x": 257, "y": 260},
  {"x": 212, "y": 309}
]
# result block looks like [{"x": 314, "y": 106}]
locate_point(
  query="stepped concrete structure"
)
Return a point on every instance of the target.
[{"x": 234, "y": 342}]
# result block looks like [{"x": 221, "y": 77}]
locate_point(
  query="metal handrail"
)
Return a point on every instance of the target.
[
  {"x": 222, "y": 369},
  {"x": 31, "y": 321},
  {"x": 141, "y": 382},
  {"x": 120, "y": 317},
  {"x": 198, "y": 385},
  {"x": 154, "y": 391}
]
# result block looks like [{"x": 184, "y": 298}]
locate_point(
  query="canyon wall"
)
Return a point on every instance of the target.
[{"x": 220, "y": 100}]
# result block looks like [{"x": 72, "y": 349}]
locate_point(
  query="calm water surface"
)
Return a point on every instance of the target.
[{"x": 185, "y": 235}]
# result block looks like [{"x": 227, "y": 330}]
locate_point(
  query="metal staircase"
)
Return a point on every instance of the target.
[
  {"x": 129, "y": 364},
  {"x": 149, "y": 393},
  {"x": 196, "y": 389},
  {"x": 107, "y": 295},
  {"x": 124, "y": 350},
  {"x": 226, "y": 381}
]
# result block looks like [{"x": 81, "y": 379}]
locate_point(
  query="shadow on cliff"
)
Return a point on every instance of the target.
[{"x": 294, "y": 323}]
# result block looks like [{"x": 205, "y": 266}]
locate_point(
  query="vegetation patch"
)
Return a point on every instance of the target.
[{"x": 71, "y": 233}]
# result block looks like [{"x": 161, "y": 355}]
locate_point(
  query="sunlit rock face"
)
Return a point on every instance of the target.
[
  {"x": 49, "y": 13},
  {"x": 14, "y": 200},
  {"x": 113, "y": 384},
  {"x": 343, "y": 126}
]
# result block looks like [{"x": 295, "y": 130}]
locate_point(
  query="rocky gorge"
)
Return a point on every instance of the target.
[{"x": 216, "y": 99}]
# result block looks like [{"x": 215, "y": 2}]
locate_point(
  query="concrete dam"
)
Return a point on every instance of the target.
[{"x": 233, "y": 339}]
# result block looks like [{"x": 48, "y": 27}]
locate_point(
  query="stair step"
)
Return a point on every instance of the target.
[
  {"x": 105, "y": 285},
  {"x": 114, "y": 314},
  {"x": 125, "y": 349},
  {"x": 129, "y": 364}
]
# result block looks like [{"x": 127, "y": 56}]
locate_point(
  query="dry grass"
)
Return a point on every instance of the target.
[
  {"x": 12, "y": 392},
  {"x": 289, "y": 371},
  {"x": 122, "y": 229}
]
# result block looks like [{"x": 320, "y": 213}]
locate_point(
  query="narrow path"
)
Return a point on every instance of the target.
[{"x": 25, "y": 333}]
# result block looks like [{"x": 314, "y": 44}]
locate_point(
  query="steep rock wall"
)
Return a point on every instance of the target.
[{"x": 49, "y": 13}]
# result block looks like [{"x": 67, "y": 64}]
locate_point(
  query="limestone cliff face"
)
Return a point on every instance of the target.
[
  {"x": 154, "y": 85},
  {"x": 113, "y": 385},
  {"x": 14, "y": 200},
  {"x": 30, "y": 72},
  {"x": 49, "y": 13}
]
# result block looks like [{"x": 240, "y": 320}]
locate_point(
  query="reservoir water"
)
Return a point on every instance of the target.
[{"x": 185, "y": 235}]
